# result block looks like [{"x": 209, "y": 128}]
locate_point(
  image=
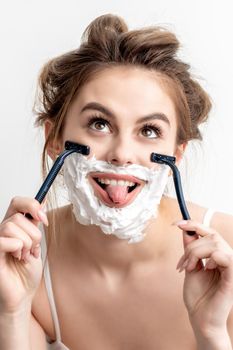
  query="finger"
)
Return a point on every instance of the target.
[
  {"x": 207, "y": 250},
  {"x": 189, "y": 263},
  {"x": 11, "y": 230},
  {"x": 36, "y": 251},
  {"x": 207, "y": 241},
  {"x": 191, "y": 225},
  {"x": 24, "y": 205},
  {"x": 210, "y": 264},
  {"x": 194, "y": 259},
  {"x": 187, "y": 238},
  {"x": 193, "y": 244},
  {"x": 222, "y": 259},
  {"x": 9, "y": 245},
  {"x": 27, "y": 226},
  {"x": 181, "y": 262}
]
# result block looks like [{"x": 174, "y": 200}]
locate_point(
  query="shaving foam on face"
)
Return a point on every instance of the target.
[{"x": 128, "y": 222}]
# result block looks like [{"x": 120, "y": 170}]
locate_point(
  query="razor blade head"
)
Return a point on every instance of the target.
[
  {"x": 162, "y": 158},
  {"x": 85, "y": 150}
]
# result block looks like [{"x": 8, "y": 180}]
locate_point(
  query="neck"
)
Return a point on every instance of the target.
[{"x": 107, "y": 252}]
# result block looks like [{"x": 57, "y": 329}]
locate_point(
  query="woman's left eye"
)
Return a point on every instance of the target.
[{"x": 151, "y": 131}]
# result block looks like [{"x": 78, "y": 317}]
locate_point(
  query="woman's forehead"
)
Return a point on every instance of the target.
[{"x": 127, "y": 91}]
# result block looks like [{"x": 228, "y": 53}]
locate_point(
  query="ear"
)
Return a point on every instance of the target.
[
  {"x": 54, "y": 147},
  {"x": 179, "y": 152}
]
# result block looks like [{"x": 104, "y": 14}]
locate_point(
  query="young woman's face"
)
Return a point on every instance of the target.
[{"x": 123, "y": 115}]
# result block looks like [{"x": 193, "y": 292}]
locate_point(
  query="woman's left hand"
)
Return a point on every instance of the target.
[{"x": 208, "y": 288}]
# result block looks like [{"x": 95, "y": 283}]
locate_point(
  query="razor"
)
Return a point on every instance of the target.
[
  {"x": 70, "y": 147},
  {"x": 170, "y": 161}
]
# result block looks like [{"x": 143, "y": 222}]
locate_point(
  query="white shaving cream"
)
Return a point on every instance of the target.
[{"x": 128, "y": 222}]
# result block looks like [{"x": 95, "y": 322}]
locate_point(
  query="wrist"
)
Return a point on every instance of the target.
[
  {"x": 213, "y": 339},
  {"x": 15, "y": 329},
  {"x": 16, "y": 311}
]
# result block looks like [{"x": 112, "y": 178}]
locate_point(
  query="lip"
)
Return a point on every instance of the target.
[
  {"x": 103, "y": 196},
  {"x": 118, "y": 177}
]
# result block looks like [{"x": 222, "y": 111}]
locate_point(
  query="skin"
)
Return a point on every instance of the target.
[{"x": 129, "y": 296}]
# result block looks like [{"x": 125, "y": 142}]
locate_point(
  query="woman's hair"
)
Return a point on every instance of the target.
[{"x": 107, "y": 43}]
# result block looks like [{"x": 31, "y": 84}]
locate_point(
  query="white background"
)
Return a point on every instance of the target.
[{"x": 31, "y": 32}]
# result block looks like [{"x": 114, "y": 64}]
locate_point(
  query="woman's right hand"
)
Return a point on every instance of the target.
[{"x": 20, "y": 261}]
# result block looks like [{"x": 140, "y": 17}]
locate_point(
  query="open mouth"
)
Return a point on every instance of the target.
[{"x": 116, "y": 190}]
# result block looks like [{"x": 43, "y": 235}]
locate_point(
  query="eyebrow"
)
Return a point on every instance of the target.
[{"x": 99, "y": 107}]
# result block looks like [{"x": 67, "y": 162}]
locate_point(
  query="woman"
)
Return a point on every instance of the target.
[{"x": 125, "y": 94}]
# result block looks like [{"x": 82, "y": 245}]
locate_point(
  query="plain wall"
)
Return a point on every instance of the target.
[{"x": 34, "y": 31}]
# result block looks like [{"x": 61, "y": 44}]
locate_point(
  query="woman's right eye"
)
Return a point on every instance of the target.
[{"x": 99, "y": 124}]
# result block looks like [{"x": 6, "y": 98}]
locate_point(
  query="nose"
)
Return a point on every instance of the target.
[{"x": 121, "y": 152}]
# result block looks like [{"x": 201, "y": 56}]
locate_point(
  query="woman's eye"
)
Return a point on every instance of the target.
[
  {"x": 99, "y": 125},
  {"x": 150, "y": 132}
]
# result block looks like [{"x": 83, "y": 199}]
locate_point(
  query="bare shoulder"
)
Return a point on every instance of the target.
[
  {"x": 223, "y": 223},
  {"x": 220, "y": 221},
  {"x": 196, "y": 211}
]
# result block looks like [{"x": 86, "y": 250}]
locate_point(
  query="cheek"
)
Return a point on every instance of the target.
[
  {"x": 97, "y": 148},
  {"x": 170, "y": 143},
  {"x": 74, "y": 134}
]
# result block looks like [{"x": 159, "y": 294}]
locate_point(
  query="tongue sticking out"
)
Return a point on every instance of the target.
[{"x": 117, "y": 193}]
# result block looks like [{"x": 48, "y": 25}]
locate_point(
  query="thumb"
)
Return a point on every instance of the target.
[
  {"x": 187, "y": 238},
  {"x": 188, "y": 235}
]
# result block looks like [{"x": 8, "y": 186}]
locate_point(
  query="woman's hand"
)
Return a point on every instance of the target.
[
  {"x": 20, "y": 262},
  {"x": 208, "y": 285}
]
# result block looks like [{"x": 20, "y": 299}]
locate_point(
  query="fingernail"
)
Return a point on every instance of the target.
[
  {"x": 18, "y": 255},
  {"x": 36, "y": 252},
  {"x": 26, "y": 257},
  {"x": 43, "y": 217},
  {"x": 180, "y": 222},
  {"x": 183, "y": 266},
  {"x": 23, "y": 254},
  {"x": 180, "y": 262}
]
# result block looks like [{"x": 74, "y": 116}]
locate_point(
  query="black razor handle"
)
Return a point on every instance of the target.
[
  {"x": 70, "y": 147},
  {"x": 169, "y": 160}
]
